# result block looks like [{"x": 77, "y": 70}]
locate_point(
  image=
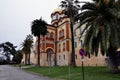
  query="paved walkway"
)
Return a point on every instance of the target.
[{"x": 12, "y": 73}]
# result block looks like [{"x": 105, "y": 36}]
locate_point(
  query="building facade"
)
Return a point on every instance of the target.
[{"x": 55, "y": 46}]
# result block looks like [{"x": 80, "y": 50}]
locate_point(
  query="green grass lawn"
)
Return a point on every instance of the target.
[{"x": 70, "y": 73}]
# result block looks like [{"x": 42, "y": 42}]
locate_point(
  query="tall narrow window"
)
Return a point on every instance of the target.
[
  {"x": 64, "y": 57},
  {"x": 74, "y": 33},
  {"x": 59, "y": 34},
  {"x": 76, "y": 56},
  {"x": 80, "y": 31},
  {"x": 81, "y": 42},
  {"x": 63, "y": 46},
  {"x": 59, "y": 57},
  {"x": 52, "y": 35},
  {"x": 75, "y": 44},
  {"x": 57, "y": 16},
  {"x": 59, "y": 48},
  {"x": 48, "y": 35},
  {"x": 62, "y": 33}
]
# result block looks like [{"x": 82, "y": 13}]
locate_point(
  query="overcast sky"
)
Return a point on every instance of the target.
[{"x": 16, "y": 17}]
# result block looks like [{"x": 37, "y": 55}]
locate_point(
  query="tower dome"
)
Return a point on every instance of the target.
[
  {"x": 56, "y": 15},
  {"x": 58, "y": 10}
]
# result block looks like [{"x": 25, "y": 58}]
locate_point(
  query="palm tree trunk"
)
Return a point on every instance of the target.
[
  {"x": 112, "y": 61},
  {"x": 29, "y": 58},
  {"x": 113, "y": 67},
  {"x": 55, "y": 60},
  {"x": 73, "y": 63},
  {"x": 25, "y": 59},
  {"x": 39, "y": 50}
]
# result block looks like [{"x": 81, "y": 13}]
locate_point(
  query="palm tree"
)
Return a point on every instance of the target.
[
  {"x": 24, "y": 49},
  {"x": 102, "y": 20},
  {"x": 29, "y": 39},
  {"x": 27, "y": 45},
  {"x": 71, "y": 8},
  {"x": 39, "y": 27}
]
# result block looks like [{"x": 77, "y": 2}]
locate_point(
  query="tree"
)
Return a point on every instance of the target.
[
  {"x": 27, "y": 45},
  {"x": 30, "y": 45},
  {"x": 9, "y": 49},
  {"x": 38, "y": 28},
  {"x": 18, "y": 57},
  {"x": 102, "y": 20},
  {"x": 71, "y": 8}
]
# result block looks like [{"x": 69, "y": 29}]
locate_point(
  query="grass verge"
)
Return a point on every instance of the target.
[{"x": 70, "y": 73}]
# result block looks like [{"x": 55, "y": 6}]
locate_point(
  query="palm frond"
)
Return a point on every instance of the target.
[
  {"x": 85, "y": 15},
  {"x": 102, "y": 19},
  {"x": 38, "y": 27},
  {"x": 89, "y": 6},
  {"x": 114, "y": 37}
]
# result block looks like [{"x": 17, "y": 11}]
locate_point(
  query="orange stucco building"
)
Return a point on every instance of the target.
[{"x": 55, "y": 47}]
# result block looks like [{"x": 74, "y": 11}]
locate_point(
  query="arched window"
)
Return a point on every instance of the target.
[
  {"x": 64, "y": 57},
  {"x": 75, "y": 44},
  {"x": 48, "y": 35},
  {"x": 62, "y": 33},
  {"x": 74, "y": 33},
  {"x": 59, "y": 48},
  {"x": 81, "y": 42},
  {"x": 63, "y": 46},
  {"x": 59, "y": 33},
  {"x": 80, "y": 31},
  {"x": 52, "y": 35},
  {"x": 75, "y": 56},
  {"x": 57, "y": 16},
  {"x": 49, "y": 55},
  {"x": 53, "y": 17}
]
